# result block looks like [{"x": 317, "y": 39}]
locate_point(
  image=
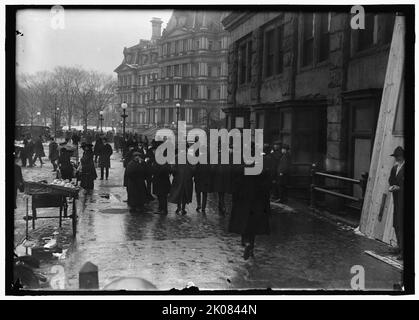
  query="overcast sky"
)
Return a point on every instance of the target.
[{"x": 93, "y": 39}]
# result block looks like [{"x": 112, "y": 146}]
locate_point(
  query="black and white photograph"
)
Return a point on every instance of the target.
[{"x": 194, "y": 149}]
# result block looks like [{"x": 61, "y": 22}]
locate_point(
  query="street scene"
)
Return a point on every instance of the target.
[{"x": 209, "y": 150}]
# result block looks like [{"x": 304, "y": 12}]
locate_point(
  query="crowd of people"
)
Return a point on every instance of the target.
[{"x": 146, "y": 180}]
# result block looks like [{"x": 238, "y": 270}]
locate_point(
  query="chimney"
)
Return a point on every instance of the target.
[{"x": 156, "y": 28}]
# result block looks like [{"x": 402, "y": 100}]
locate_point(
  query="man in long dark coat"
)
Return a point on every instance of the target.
[
  {"x": 221, "y": 181},
  {"x": 250, "y": 207},
  {"x": 396, "y": 182},
  {"x": 88, "y": 171},
  {"x": 28, "y": 150},
  {"x": 135, "y": 182},
  {"x": 161, "y": 184},
  {"x": 182, "y": 186},
  {"x": 203, "y": 183},
  {"x": 39, "y": 150},
  {"x": 105, "y": 159},
  {"x": 53, "y": 153}
]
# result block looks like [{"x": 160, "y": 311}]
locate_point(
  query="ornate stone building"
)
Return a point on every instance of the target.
[
  {"x": 192, "y": 61},
  {"x": 138, "y": 69},
  {"x": 310, "y": 81}
]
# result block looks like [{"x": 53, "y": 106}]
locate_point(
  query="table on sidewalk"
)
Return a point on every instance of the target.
[{"x": 50, "y": 196}]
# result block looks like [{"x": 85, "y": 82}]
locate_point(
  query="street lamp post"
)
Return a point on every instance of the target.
[
  {"x": 177, "y": 116},
  {"x": 124, "y": 106},
  {"x": 101, "y": 121}
]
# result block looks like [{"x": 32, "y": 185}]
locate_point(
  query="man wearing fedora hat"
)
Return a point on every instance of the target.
[{"x": 396, "y": 182}]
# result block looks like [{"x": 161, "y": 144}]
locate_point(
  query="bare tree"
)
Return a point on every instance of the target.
[{"x": 66, "y": 79}]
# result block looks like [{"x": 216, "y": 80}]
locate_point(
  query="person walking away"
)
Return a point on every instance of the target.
[
  {"x": 116, "y": 142},
  {"x": 105, "y": 159},
  {"x": 221, "y": 181},
  {"x": 87, "y": 171},
  {"x": 19, "y": 183},
  {"x": 135, "y": 182},
  {"x": 250, "y": 207},
  {"x": 29, "y": 149},
  {"x": 23, "y": 155},
  {"x": 396, "y": 183},
  {"x": 182, "y": 186},
  {"x": 98, "y": 148},
  {"x": 161, "y": 185},
  {"x": 202, "y": 179},
  {"x": 39, "y": 150},
  {"x": 53, "y": 153},
  {"x": 282, "y": 174},
  {"x": 149, "y": 159}
]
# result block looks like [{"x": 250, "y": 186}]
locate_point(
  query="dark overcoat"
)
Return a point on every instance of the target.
[
  {"x": 398, "y": 195},
  {"x": 65, "y": 166},
  {"x": 88, "y": 172},
  {"x": 250, "y": 203},
  {"x": 203, "y": 177},
  {"x": 161, "y": 179},
  {"x": 105, "y": 156},
  {"x": 182, "y": 186},
  {"x": 39, "y": 148},
  {"x": 98, "y": 147},
  {"x": 53, "y": 151},
  {"x": 221, "y": 177},
  {"x": 135, "y": 183}
]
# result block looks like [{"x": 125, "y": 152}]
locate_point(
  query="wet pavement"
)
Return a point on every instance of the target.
[{"x": 302, "y": 251}]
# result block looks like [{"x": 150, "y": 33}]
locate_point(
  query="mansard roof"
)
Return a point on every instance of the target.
[{"x": 185, "y": 21}]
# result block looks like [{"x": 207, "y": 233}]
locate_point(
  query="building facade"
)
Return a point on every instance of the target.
[
  {"x": 192, "y": 61},
  {"x": 312, "y": 82},
  {"x": 137, "y": 70}
]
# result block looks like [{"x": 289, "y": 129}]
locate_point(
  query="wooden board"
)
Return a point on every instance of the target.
[
  {"x": 386, "y": 259},
  {"x": 377, "y": 211}
]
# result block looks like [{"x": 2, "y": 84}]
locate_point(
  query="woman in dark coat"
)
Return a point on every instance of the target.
[
  {"x": 250, "y": 207},
  {"x": 88, "y": 172},
  {"x": 105, "y": 159},
  {"x": 161, "y": 184},
  {"x": 182, "y": 186},
  {"x": 98, "y": 148},
  {"x": 135, "y": 182},
  {"x": 64, "y": 164}
]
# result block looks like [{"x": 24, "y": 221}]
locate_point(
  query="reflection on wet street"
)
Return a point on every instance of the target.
[{"x": 171, "y": 251}]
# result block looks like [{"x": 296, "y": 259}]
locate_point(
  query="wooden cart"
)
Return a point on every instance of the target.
[{"x": 51, "y": 196}]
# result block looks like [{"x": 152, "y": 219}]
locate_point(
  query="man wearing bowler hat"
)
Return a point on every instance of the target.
[{"x": 396, "y": 182}]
